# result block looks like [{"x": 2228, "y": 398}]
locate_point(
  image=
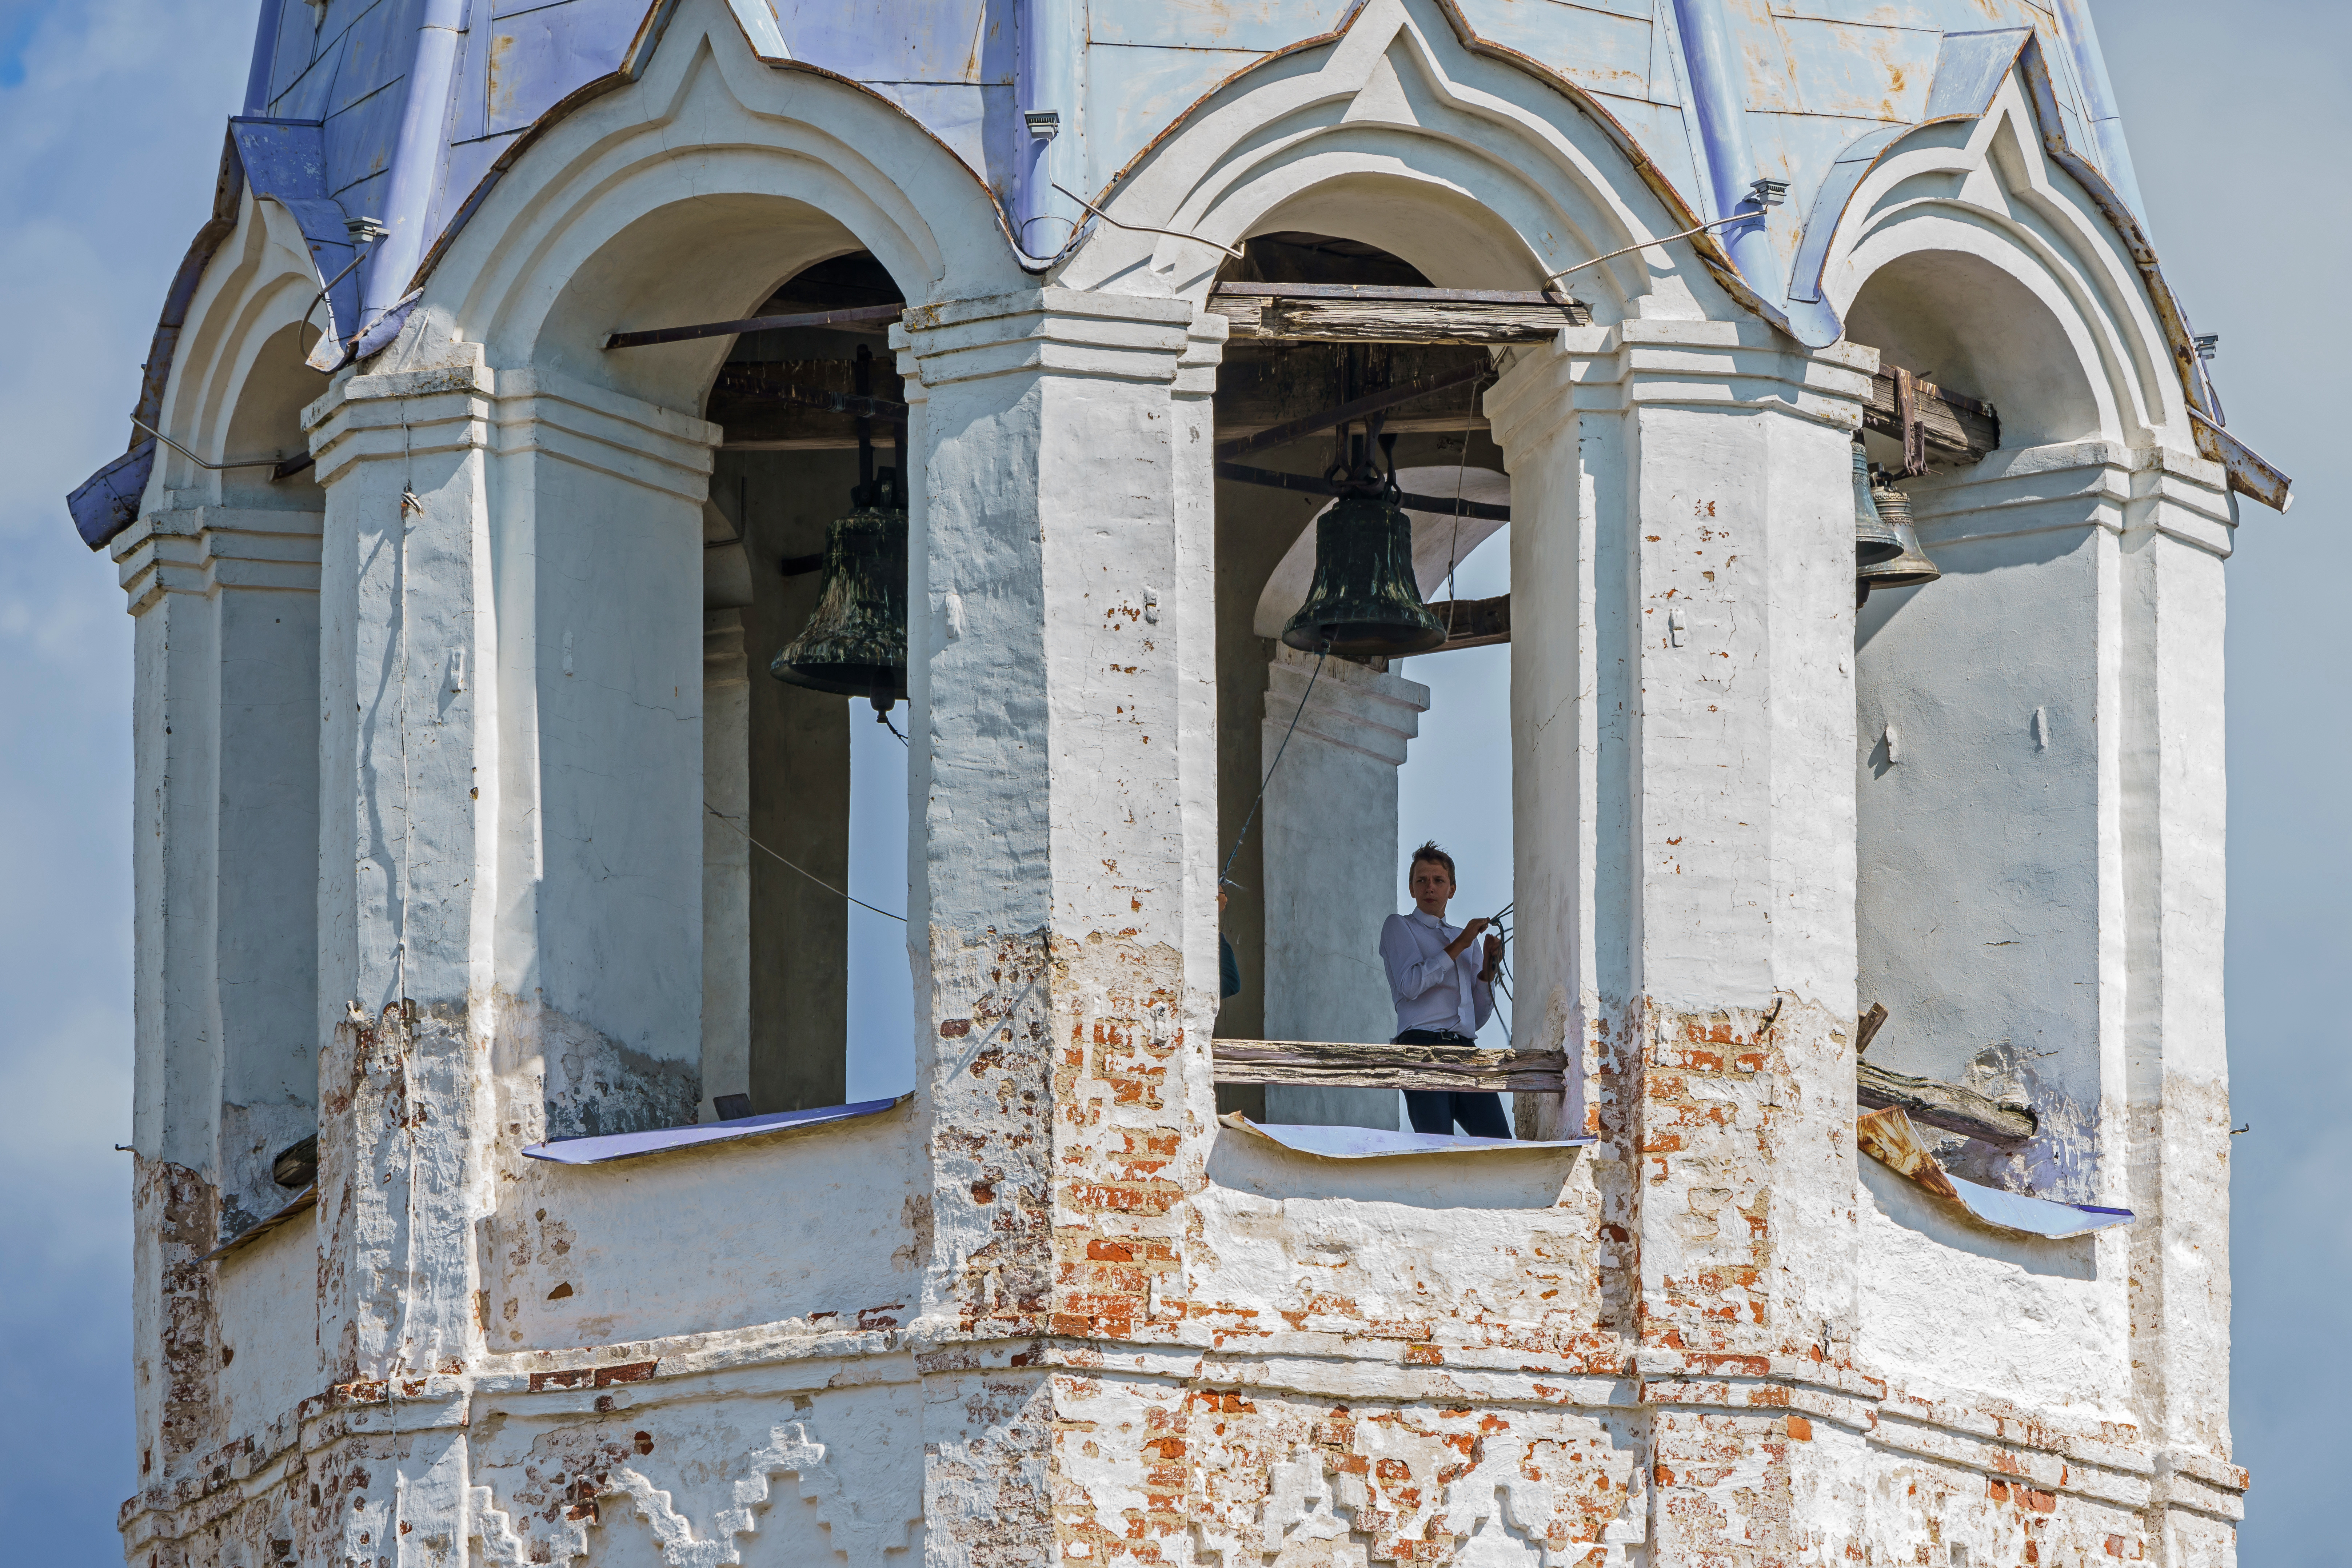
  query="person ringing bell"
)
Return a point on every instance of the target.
[{"x": 1443, "y": 979}]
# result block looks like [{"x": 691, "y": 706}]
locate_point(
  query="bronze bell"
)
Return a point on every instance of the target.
[
  {"x": 1908, "y": 569},
  {"x": 1364, "y": 603},
  {"x": 855, "y": 641},
  {"x": 1873, "y": 540}
]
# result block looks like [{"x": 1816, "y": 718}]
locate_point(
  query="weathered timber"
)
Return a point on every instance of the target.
[
  {"x": 1473, "y": 623},
  {"x": 1342, "y": 314},
  {"x": 1387, "y": 397},
  {"x": 1266, "y": 382},
  {"x": 1957, "y": 429},
  {"x": 1944, "y": 1105},
  {"x": 1350, "y": 1065},
  {"x": 1866, "y": 1028}
]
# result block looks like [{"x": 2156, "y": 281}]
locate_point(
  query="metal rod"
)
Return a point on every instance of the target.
[
  {"x": 1645, "y": 245},
  {"x": 1314, "y": 485},
  {"x": 1404, "y": 392},
  {"x": 755, "y": 324},
  {"x": 1143, "y": 228},
  {"x": 270, "y": 462},
  {"x": 1388, "y": 294}
]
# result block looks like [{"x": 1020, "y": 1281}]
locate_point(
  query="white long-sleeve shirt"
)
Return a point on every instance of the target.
[{"x": 1432, "y": 990}]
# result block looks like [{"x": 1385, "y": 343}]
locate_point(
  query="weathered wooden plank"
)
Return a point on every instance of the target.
[
  {"x": 1958, "y": 429},
  {"x": 1945, "y": 1105},
  {"x": 1336, "y": 313},
  {"x": 1473, "y": 623},
  {"x": 1267, "y": 382},
  {"x": 1350, "y": 1064}
]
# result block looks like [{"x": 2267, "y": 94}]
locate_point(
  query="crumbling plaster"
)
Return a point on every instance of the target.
[{"x": 1046, "y": 1312}]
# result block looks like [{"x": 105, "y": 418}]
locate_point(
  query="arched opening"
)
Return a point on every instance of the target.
[
  {"x": 1317, "y": 753},
  {"x": 1977, "y": 714},
  {"x": 808, "y": 1001},
  {"x": 265, "y": 606},
  {"x": 693, "y": 936}
]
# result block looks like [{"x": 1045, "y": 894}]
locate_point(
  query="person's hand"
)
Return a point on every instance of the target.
[
  {"x": 1469, "y": 935},
  {"x": 1494, "y": 957},
  {"x": 1221, "y": 901}
]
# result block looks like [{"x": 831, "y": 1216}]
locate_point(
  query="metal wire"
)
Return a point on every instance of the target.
[{"x": 803, "y": 870}]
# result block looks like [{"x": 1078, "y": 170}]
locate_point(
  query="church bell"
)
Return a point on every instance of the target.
[
  {"x": 1874, "y": 538},
  {"x": 855, "y": 644},
  {"x": 1364, "y": 603},
  {"x": 1909, "y": 568}
]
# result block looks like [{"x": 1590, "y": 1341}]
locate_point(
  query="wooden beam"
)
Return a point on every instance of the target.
[
  {"x": 1473, "y": 623},
  {"x": 1267, "y": 382},
  {"x": 1348, "y": 313},
  {"x": 1946, "y": 425},
  {"x": 1371, "y": 403},
  {"x": 1945, "y": 1105},
  {"x": 1349, "y": 1065}
]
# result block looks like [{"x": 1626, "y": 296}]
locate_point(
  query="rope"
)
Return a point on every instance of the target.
[{"x": 1252, "y": 817}]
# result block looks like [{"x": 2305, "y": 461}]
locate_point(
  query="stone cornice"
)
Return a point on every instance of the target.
[{"x": 195, "y": 550}]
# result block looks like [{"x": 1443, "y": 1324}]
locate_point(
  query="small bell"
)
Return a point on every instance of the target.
[
  {"x": 1873, "y": 541},
  {"x": 1908, "y": 569},
  {"x": 1364, "y": 603},
  {"x": 855, "y": 644}
]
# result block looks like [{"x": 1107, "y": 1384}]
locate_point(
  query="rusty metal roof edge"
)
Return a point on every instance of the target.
[
  {"x": 1379, "y": 1143},
  {"x": 161, "y": 350},
  {"x": 307, "y": 1199},
  {"x": 1888, "y": 1136},
  {"x": 604, "y": 1148},
  {"x": 1710, "y": 250}
]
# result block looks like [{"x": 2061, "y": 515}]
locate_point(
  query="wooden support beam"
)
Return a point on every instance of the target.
[
  {"x": 1945, "y": 1105},
  {"x": 1371, "y": 403},
  {"x": 1473, "y": 623},
  {"x": 1351, "y": 314},
  {"x": 1268, "y": 382},
  {"x": 1349, "y": 1065},
  {"x": 1943, "y": 425}
]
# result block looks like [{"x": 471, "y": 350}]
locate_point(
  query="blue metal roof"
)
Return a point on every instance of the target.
[{"x": 399, "y": 108}]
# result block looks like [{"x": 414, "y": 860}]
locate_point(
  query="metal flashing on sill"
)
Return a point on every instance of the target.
[
  {"x": 301, "y": 1203},
  {"x": 1379, "y": 1143},
  {"x": 605, "y": 1147},
  {"x": 1888, "y": 1136}
]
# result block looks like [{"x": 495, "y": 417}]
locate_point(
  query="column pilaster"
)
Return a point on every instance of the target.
[
  {"x": 1064, "y": 749},
  {"x": 1682, "y": 560}
]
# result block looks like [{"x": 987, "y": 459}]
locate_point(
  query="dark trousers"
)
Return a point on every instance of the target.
[{"x": 1480, "y": 1112}]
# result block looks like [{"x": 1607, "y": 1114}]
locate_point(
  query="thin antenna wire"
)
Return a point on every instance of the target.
[
  {"x": 1252, "y": 817},
  {"x": 812, "y": 876},
  {"x": 1145, "y": 228},
  {"x": 1645, "y": 245}
]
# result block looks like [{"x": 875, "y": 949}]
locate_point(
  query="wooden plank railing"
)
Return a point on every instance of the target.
[{"x": 1339, "y": 1064}]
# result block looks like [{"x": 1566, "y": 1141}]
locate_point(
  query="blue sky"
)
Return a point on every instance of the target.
[{"x": 111, "y": 114}]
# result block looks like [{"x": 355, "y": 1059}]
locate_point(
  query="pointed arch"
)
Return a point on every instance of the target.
[
  {"x": 730, "y": 170},
  {"x": 1403, "y": 109}
]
